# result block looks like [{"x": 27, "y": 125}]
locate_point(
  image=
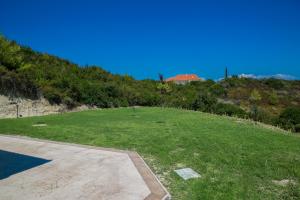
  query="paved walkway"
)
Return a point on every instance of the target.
[{"x": 38, "y": 169}]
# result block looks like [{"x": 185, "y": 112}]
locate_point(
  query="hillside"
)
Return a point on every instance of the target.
[
  {"x": 29, "y": 74},
  {"x": 237, "y": 159}
]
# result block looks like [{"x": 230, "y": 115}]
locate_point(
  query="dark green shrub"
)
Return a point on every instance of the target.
[
  {"x": 17, "y": 85},
  {"x": 52, "y": 95},
  {"x": 205, "y": 102},
  {"x": 217, "y": 90},
  {"x": 230, "y": 110},
  {"x": 297, "y": 128},
  {"x": 289, "y": 118},
  {"x": 274, "y": 83},
  {"x": 69, "y": 102}
]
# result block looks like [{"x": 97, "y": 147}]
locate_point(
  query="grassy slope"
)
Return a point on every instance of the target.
[{"x": 237, "y": 160}]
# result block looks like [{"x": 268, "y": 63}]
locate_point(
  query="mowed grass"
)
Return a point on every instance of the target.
[{"x": 237, "y": 159}]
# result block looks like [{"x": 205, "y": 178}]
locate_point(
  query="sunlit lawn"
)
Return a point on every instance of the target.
[{"x": 237, "y": 159}]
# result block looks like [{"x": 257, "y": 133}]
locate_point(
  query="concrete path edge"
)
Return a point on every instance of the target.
[{"x": 158, "y": 191}]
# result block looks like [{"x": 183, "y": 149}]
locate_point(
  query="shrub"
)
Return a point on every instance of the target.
[
  {"x": 290, "y": 118},
  {"x": 229, "y": 109},
  {"x": 238, "y": 93},
  {"x": 164, "y": 88},
  {"x": 258, "y": 114},
  {"x": 273, "y": 98},
  {"x": 52, "y": 95},
  {"x": 10, "y": 54},
  {"x": 297, "y": 128},
  {"x": 217, "y": 90},
  {"x": 255, "y": 96},
  {"x": 70, "y": 103},
  {"x": 204, "y": 102},
  {"x": 17, "y": 85},
  {"x": 274, "y": 83}
]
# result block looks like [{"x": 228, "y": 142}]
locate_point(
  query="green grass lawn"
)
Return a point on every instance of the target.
[{"x": 237, "y": 159}]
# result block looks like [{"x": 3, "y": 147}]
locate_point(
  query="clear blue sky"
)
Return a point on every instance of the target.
[{"x": 144, "y": 38}]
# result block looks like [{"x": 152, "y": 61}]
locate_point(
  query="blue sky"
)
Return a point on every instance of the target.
[{"x": 144, "y": 38}]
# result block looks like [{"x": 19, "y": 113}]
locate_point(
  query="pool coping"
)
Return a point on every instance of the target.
[{"x": 158, "y": 191}]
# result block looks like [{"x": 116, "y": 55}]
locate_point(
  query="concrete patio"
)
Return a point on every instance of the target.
[{"x": 38, "y": 169}]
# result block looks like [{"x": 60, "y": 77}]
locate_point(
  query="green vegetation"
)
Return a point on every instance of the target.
[
  {"x": 30, "y": 74},
  {"x": 237, "y": 159},
  {"x": 290, "y": 119}
]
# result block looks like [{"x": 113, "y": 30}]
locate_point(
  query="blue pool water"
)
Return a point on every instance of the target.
[{"x": 12, "y": 163}]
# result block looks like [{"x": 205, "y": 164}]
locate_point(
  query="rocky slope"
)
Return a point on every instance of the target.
[{"x": 22, "y": 107}]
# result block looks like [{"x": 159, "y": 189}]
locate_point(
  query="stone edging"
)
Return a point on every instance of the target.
[{"x": 158, "y": 191}]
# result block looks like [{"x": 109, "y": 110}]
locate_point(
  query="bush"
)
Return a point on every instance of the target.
[
  {"x": 273, "y": 98},
  {"x": 297, "y": 128},
  {"x": 217, "y": 90},
  {"x": 52, "y": 95},
  {"x": 274, "y": 83},
  {"x": 230, "y": 110},
  {"x": 17, "y": 85},
  {"x": 204, "y": 102},
  {"x": 290, "y": 118},
  {"x": 255, "y": 96},
  {"x": 258, "y": 114},
  {"x": 69, "y": 102}
]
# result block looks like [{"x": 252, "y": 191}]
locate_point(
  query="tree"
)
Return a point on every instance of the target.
[
  {"x": 161, "y": 78},
  {"x": 162, "y": 85},
  {"x": 226, "y": 73}
]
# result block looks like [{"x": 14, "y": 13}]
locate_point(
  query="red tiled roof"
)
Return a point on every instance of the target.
[{"x": 184, "y": 77}]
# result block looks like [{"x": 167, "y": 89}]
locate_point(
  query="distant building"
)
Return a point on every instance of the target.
[{"x": 184, "y": 78}]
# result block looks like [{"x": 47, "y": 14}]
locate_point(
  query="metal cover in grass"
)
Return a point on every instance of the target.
[
  {"x": 36, "y": 125},
  {"x": 187, "y": 173}
]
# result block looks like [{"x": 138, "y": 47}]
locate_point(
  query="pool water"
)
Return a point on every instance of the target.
[{"x": 12, "y": 163}]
